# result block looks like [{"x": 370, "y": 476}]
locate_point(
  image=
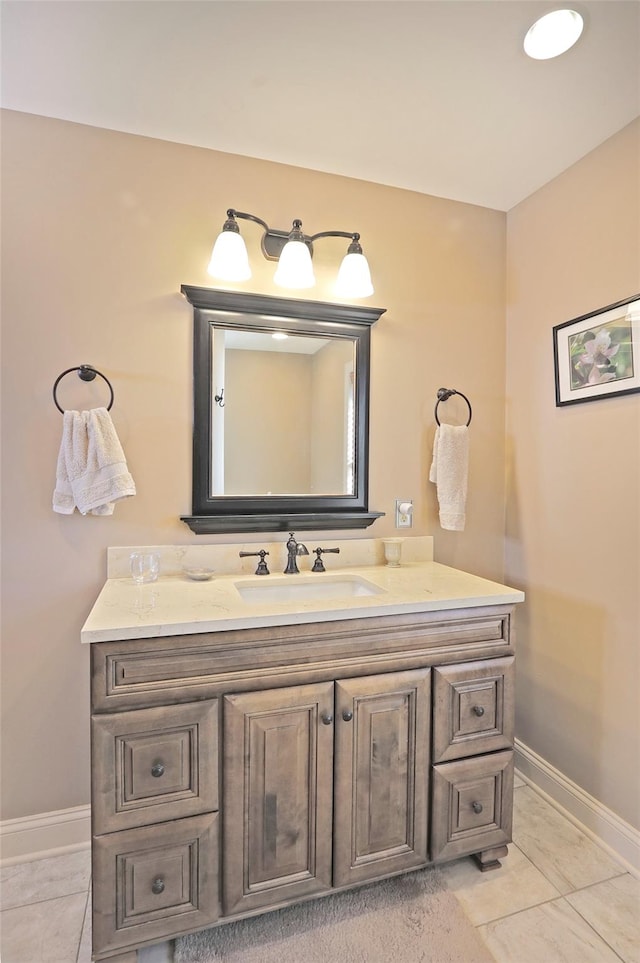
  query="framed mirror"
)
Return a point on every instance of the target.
[{"x": 281, "y": 413}]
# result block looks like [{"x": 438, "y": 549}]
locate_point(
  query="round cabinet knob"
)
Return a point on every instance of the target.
[
  {"x": 157, "y": 770},
  {"x": 477, "y": 807},
  {"x": 347, "y": 715},
  {"x": 479, "y": 710},
  {"x": 326, "y": 718},
  {"x": 157, "y": 886}
]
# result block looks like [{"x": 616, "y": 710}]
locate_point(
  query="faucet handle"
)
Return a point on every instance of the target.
[
  {"x": 318, "y": 565},
  {"x": 262, "y": 565}
]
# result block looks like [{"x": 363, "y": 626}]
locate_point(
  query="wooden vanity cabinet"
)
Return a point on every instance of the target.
[{"x": 238, "y": 771}]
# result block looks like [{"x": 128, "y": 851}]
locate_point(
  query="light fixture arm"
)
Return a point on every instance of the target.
[
  {"x": 274, "y": 240},
  {"x": 232, "y": 214},
  {"x": 354, "y": 248},
  {"x": 353, "y": 236}
]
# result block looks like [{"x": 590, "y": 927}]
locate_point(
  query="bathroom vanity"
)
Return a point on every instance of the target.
[{"x": 253, "y": 750}]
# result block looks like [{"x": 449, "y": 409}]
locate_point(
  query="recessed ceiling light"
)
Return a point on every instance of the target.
[{"x": 553, "y": 34}]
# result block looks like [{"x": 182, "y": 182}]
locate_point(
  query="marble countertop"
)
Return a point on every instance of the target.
[{"x": 175, "y": 605}]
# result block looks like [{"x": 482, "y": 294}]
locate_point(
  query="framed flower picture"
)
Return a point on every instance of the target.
[{"x": 598, "y": 354}]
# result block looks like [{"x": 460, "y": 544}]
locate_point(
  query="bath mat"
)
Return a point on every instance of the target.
[{"x": 406, "y": 919}]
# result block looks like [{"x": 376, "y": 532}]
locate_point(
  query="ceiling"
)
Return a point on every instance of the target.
[{"x": 436, "y": 97}]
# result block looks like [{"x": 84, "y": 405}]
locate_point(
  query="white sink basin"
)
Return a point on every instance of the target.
[{"x": 297, "y": 588}]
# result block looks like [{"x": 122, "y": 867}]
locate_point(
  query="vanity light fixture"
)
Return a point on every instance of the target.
[
  {"x": 553, "y": 34},
  {"x": 293, "y": 251}
]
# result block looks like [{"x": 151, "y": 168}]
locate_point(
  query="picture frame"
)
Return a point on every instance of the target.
[{"x": 598, "y": 354}]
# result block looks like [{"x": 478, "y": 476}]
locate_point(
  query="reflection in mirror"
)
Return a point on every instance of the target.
[
  {"x": 290, "y": 402},
  {"x": 281, "y": 413}
]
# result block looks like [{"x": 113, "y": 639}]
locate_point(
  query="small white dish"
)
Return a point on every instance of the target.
[{"x": 198, "y": 574}]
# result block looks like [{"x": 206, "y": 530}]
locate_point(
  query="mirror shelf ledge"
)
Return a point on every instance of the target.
[{"x": 232, "y": 524}]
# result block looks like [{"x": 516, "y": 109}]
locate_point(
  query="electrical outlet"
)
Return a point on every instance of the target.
[{"x": 404, "y": 513}]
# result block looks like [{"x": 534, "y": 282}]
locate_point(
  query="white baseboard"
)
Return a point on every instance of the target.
[
  {"x": 47, "y": 834},
  {"x": 599, "y": 823}
]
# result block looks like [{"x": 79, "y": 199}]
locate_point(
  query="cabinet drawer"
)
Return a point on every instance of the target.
[
  {"x": 472, "y": 805},
  {"x": 150, "y": 765},
  {"x": 154, "y": 882},
  {"x": 143, "y": 672},
  {"x": 473, "y": 708}
]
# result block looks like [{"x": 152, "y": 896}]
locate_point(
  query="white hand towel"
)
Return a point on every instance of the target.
[
  {"x": 105, "y": 478},
  {"x": 92, "y": 472},
  {"x": 449, "y": 471},
  {"x": 63, "y": 500}
]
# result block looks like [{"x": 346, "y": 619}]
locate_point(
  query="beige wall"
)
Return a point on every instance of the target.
[
  {"x": 573, "y": 518},
  {"x": 267, "y": 422},
  {"x": 99, "y": 231}
]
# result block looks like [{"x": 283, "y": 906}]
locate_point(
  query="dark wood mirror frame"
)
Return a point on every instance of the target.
[{"x": 274, "y": 513}]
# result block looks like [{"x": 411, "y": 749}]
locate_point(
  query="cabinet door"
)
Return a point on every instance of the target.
[
  {"x": 278, "y": 793},
  {"x": 381, "y": 773}
]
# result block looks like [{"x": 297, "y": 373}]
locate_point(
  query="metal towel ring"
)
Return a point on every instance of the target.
[
  {"x": 86, "y": 372},
  {"x": 444, "y": 394}
]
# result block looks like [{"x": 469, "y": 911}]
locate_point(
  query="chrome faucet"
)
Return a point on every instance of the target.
[{"x": 294, "y": 549}]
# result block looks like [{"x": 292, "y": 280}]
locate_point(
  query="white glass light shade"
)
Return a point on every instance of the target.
[
  {"x": 553, "y": 34},
  {"x": 354, "y": 277},
  {"x": 229, "y": 259},
  {"x": 295, "y": 269}
]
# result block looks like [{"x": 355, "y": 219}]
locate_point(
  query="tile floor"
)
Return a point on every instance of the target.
[{"x": 559, "y": 898}]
